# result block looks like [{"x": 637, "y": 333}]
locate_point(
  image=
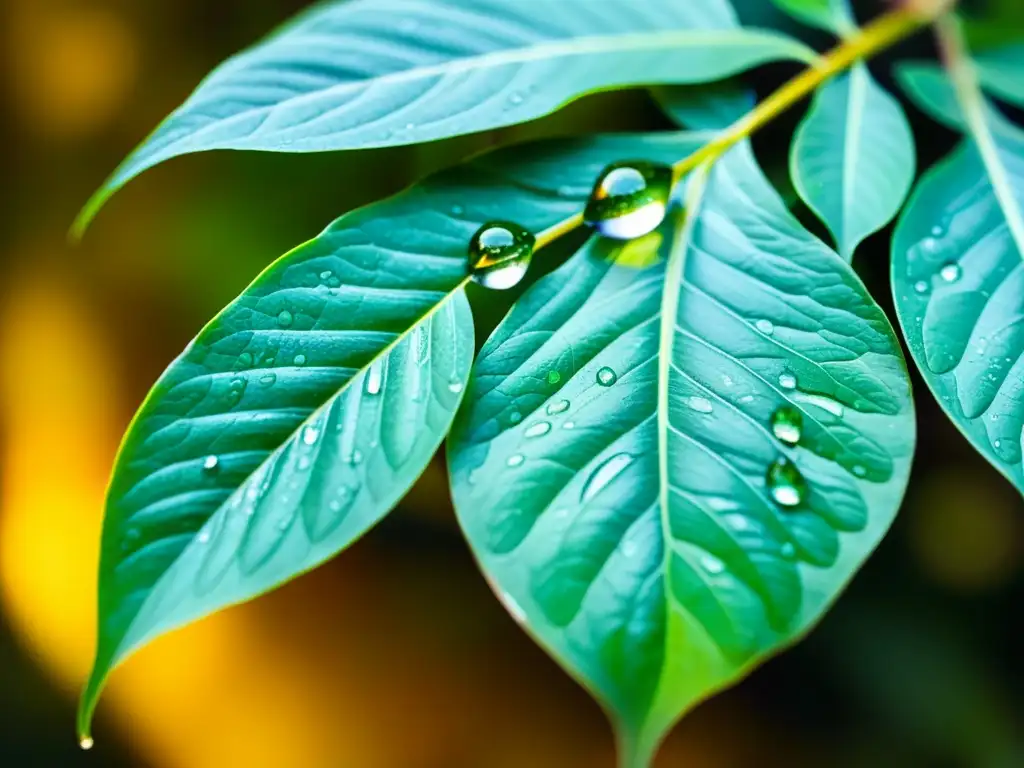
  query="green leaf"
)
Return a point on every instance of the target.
[
  {"x": 705, "y": 107},
  {"x": 1001, "y": 71},
  {"x": 609, "y": 463},
  {"x": 361, "y": 339},
  {"x": 958, "y": 279},
  {"x": 852, "y": 158},
  {"x": 830, "y": 15},
  {"x": 928, "y": 86},
  {"x": 376, "y": 73}
]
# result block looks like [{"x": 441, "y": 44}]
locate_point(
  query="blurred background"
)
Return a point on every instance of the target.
[{"x": 395, "y": 655}]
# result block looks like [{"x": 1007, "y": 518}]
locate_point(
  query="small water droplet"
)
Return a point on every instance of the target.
[
  {"x": 766, "y": 327},
  {"x": 285, "y": 318},
  {"x": 516, "y": 98},
  {"x": 500, "y": 254},
  {"x": 712, "y": 564},
  {"x": 539, "y": 429},
  {"x": 310, "y": 435},
  {"x": 304, "y": 463},
  {"x": 554, "y": 377},
  {"x": 374, "y": 378},
  {"x": 785, "y": 483},
  {"x": 727, "y": 380},
  {"x": 628, "y": 548},
  {"x": 557, "y": 407},
  {"x": 326, "y": 274},
  {"x": 950, "y": 272},
  {"x": 921, "y": 286},
  {"x": 938, "y": 231},
  {"x": 787, "y": 424},
  {"x": 607, "y": 471},
  {"x": 860, "y": 470},
  {"x": 606, "y": 377},
  {"x": 929, "y": 244},
  {"x": 203, "y": 537},
  {"x": 457, "y": 210},
  {"x": 211, "y": 464},
  {"x": 788, "y": 551},
  {"x": 569, "y": 425},
  {"x": 787, "y": 381},
  {"x": 629, "y": 199},
  {"x": 299, "y": 360},
  {"x": 700, "y": 404},
  {"x": 515, "y": 417},
  {"x": 515, "y": 460},
  {"x": 410, "y": 126},
  {"x": 268, "y": 380},
  {"x": 455, "y": 386},
  {"x": 86, "y": 743},
  {"x": 747, "y": 399}
]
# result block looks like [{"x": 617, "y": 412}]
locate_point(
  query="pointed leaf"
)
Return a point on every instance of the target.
[
  {"x": 830, "y": 15},
  {"x": 852, "y": 158},
  {"x": 376, "y": 73},
  {"x": 302, "y": 413},
  {"x": 609, "y": 463}
]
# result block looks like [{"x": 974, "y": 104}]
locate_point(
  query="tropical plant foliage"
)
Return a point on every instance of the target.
[{"x": 680, "y": 444}]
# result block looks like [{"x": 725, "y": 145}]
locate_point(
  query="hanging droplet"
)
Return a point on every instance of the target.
[
  {"x": 285, "y": 318},
  {"x": 211, "y": 464},
  {"x": 604, "y": 474},
  {"x": 785, "y": 483},
  {"x": 629, "y": 199},
  {"x": 86, "y": 743},
  {"x": 500, "y": 254},
  {"x": 539, "y": 429},
  {"x": 951, "y": 272},
  {"x": 787, "y": 381},
  {"x": 557, "y": 407},
  {"x": 606, "y": 377},
  {"x": 787, "y": 424}
]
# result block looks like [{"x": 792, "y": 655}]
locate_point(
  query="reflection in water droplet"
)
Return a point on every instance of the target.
[
  {"x": 951, "y": 272},
  {"x": 554, "y": 377},
  {"x": 785, "y": 483},
  {"x": 310, "y": 435},
  {"x": 787, "y": 424},
  {"x": 211, "y": 463},
  {"x": 603, "y": 475},
  {"x": 700, "y": 404},
  {"x": 285, "y": 319},
  {"x": 500, "y": 254},
  {"x": 765, "y": 326},
  {"x": 629, "y": 199},
  {"x": 515, "y": 460},
  {"x": 374, "y": 378},
  {"x": 606, "y": 377},
  {"x": 557, "y": 407},
  {"x": 539, "y": 429},
  {"x": 787, "y": 381}
]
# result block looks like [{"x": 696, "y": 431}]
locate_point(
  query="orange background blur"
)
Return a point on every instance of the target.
[{"x": 394, "y": 655}]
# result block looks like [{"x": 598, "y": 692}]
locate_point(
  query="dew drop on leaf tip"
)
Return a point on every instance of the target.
[
  {"x": 629, "y": 199},
  {"x": 499, "y": 254}
]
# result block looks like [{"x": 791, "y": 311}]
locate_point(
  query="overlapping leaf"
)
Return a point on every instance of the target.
[
  {"x": 609, "y": 463},
  {"x": 830, "y": 15},
  {"x": 302, "y": 413},
  {"x": 852, "y": 158},
  {"x": 374, "y": 73}
]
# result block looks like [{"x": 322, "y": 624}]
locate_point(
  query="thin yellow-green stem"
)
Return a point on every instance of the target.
[{"x": 877, "y": 36}]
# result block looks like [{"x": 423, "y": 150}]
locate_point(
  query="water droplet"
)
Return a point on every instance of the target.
[
  {"x": 557, "y": 407},
  {"x": 628, "y": 548},
  {"x": 820, "y": 401},
  {"x": 727, "y": 380},
  {"x": 700, "y": 404},
  {"x": 603, "y": 475},
  {"x": 539, "y": 429},
  {"x": 410, "y": 126},
  {"x": 712, "y": 564},
  {"x": 244, "y": 361},
  {"x": 515, "y": 417},
  {"x": 606, "y": 377},
  {"x": 310, "y": 435},
  {"x": 203, "y": 537},
  {"x": 374, "y": 378},
  {"x": 569, "y": 425},
  {"x": 785, "y": 483},
  {"x": 921, "y": 286},
  {"x": 950, "y": 272},
  {"x": 500, "y": 254},
  {"x": 326, "y": 274},
  {"x": 766, "y": 327},
  {"x": 457, "y": 210},
  {"x": 860, "y": 470},
  {"x": 747, "y": 399},
  {"x": 285, "y": 319},
  {"x": 554, "y": 377},
  {"x": 455, "y": 386},
  {"x": 211, "y": 464},
  {"x": 938, "y": 231},
  {"x": 788, "y": 551},
  {"x": 268, "y": 379},
  {"x": 516, "y": 460},
  {"x": 86, "y": 743},
  {"x": 629, "y": 199},
  {"x": 787, "y": 424},
  {"x": 355, "y": 458},
  {"x": 299, "y": 360},
  {"x": 787, "y": 381},
  {"x": 929, "y": 244},
  {"x": 304, "y": 463},
  {"x": 516, "y": 98}
]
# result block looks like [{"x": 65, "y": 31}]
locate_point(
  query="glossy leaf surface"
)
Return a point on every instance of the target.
[
  {"x": 303, "y": 412},
  {"x": 610, "y": 463},
  {"x": 958, "y": 279},
  {"x": 852, "y": 158},
  {"x": 376, "y": 73}
]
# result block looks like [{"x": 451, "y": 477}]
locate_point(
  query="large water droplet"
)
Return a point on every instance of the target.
[
  {"x": 629, "y": 199},
  {"x": 603, "y": 475},
  {"x": 785, "y": 483},
  {"x": 500, "y": 254},
  {"x": 268, "y": 380},
  {"x": 606, "y": 377},
  {"x": 539, "y": 429},
  {"x": 787, "y": 424},
  {"x": 951, "y": 272},
  {"x": 557, "y": 407}
]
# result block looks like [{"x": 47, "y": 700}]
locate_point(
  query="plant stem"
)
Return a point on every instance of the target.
[{"x": 882, "y": 33}]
